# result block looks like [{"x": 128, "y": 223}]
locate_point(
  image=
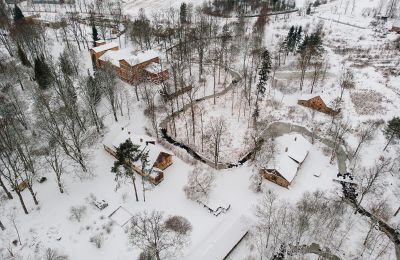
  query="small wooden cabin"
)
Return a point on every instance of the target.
[
  {"x": 318, "y": 104},
  {"x": 158, "y": 160},
  {"x": 293, "y": 151}
]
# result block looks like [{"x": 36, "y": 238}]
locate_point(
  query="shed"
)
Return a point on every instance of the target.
[
  {"x": 319, "y": 105},
  {"x": 158, "y": 159},
  {"x": 222, "y": 240}
]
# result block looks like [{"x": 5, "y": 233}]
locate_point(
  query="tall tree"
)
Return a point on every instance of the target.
[
  {"x": 17, "y": 14},
  {"x": 392, "y": 130},
  {"x": 159, "y": 238},
  {"x": 309, "y": 49},
  {"x": 183, "y": 13},
  {"x": 95, "y": 35},
  {"x": 42, "y": 72},
  {"x": 126, "y": 154},
  {"x": 262, "y": 82}
]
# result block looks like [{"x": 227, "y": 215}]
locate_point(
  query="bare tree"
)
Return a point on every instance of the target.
[
  {"x": 346, "y": 81},
  {"x": 371, "y": 178},
  {"x": 107, "y": 78},
  {"x": 366, "y": 132},
  {"x": 200, "y": 183},
  {"x": 216, "y": 130},
  {"x": 158, "y": 237},
  {"x": 55, "y": 161}
]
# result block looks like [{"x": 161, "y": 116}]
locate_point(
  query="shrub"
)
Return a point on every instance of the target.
[
  {"x": 97, "y": 240},
  {"x": 178, "y": 224},
  {"x": 77, "y": 213}
]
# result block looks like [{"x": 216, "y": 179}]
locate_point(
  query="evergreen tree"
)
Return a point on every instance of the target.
[
  {"x": 183, "y": 13},
  {"x": 42, "y": 73},
  {"x": 291, "y": 39},
  {"x": 66, "y": 65},
  {"x": 392, "y": 130},
  {"x": 261, "y": 86},
  {"x": 17, "y": 14},
  {"x": 22, "y": 56},
  {"x": 95, "y": 35},
  {"x": 264, "y": 72},
  {"x": 298, "y": 35},
  {"x": 308, "y": 12},
  {"x": 126, "y": 154}
]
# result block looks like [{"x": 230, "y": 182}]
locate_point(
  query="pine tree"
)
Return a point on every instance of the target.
[
  {"x": 183, "y": 13},
  {"x": 261, "y": 86},
  {"x": 22, "y": 56},
  {"x": 290, "y": 39},
  {"x": 126, "y": 154},
  {"x": 264, "y": 72},
  {"x": 42, "y": 73},
  {"x": 17, "y": 14},
  {"x": 308, "y": 12},
  {"x": 95, "y": 35},
  {"x": 392, "y": 130}
]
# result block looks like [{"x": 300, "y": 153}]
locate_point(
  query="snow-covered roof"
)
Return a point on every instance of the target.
[
  {"x": 154, "y": 68},
  {"x": 222, "y": 240},
  {"x": 293, "y": 149},
  {"x": 129, "y": 55},
  {"x": 142, "y": 56},
  {"x": 105, "y": 47},
  {"x": 145, "y": 143},
  {"x": 396, "y": 23}
]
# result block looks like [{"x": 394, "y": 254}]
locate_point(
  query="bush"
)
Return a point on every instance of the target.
[
  {"x": 77, "y": 213},
  {"x": 178, "y": 224},
  {"x": 97, "y": 240}
]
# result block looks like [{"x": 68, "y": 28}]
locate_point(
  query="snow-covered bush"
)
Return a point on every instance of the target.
[
  {"x": 97, "y": 240},
  {"x": 200, "y": 182},
  {"x": 52, "y": 254},
  {"x": 77, "y": 213},
  {"x": 108, "y": 227},
  {"x": 255, "y": 182}
]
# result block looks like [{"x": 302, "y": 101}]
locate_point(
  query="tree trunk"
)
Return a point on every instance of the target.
[
  {"x": 22, "y": 202},
  {"x": 59, "y": 183},
  {"x": 134, "y": 186},
  {"x": 390, "y": 140},
  {"x": 2, "y": 226},
  {"x": 33, "y": 194},
  {"x": 5, "y": 189}
]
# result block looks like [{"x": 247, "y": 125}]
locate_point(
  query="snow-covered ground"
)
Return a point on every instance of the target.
[{"x": 50, "y": 226}]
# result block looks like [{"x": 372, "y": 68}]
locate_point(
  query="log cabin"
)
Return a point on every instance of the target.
[
  {"x": 130, "y": 66},
  {"x": 158, "y": 159},
  {"x": 287, "y": 161}
]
